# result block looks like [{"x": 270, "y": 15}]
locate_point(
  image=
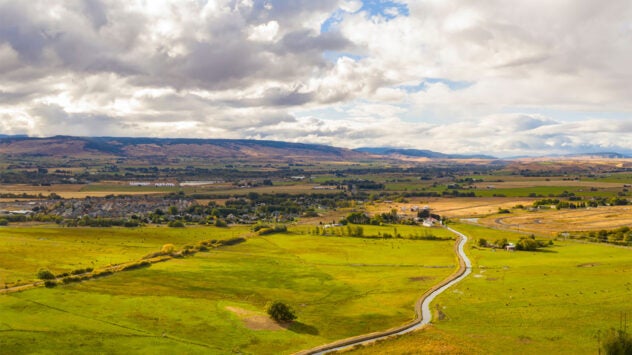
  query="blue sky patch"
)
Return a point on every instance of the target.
[
  {"x": 386, "y": 9},
  {"x": 423, "y": 85},
  {"x": 332, "y": 56}
]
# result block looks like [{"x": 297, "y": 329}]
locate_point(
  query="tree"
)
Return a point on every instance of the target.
[
  {"x": 482, "y": 242},
  {"x": 45, "y": 274},
  {"x": 281, "y": 312}
]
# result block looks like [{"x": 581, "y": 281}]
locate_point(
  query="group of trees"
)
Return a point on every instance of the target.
[
  {"x": 524, "y": 243},
  {"x": 577, "y": 202},
  {"x": 345, "y": 231},
  {"x": 619, "y": 236}
]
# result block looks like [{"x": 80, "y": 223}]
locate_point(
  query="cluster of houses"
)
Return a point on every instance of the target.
[{"x": 116, "y": 207}]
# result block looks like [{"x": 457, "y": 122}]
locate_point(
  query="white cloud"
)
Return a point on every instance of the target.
[
  {"x": 507, "y": 78},
  {"x": 264, "y": 32}
]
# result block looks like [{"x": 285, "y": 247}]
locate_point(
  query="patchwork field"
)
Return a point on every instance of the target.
[
  {"x": 560, "y": 300},
  {"x": 550, "y": 222},
  {"x": 214, "y": 302}
]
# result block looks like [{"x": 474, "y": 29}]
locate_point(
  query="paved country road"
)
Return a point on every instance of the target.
[{"x": 422, "y": 307}]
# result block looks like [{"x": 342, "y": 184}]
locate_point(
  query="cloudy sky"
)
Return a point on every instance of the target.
[{"x": 494, "y": 76}]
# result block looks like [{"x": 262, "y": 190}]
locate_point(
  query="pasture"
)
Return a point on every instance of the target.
[
  {"x": 24, "y": 250},
  {"x": 559, "y": 300},
  {"x": 214, "y": 302}
]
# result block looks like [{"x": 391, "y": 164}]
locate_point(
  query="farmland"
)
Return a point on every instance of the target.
[
  {"x": 560, "y": 300},
  {"x": 341, "y": 241},
  {"x": 215, "y": 301}
]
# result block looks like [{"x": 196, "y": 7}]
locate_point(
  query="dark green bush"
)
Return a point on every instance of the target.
[
  {"x": 45, "y": 274},
  {"x": 50, "y": 283}
]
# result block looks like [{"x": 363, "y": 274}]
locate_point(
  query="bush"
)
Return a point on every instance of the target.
[
  {"x": 281, "y": 312},
  {"x": 617, "y": 342},
  {"x": 4, "y": 222},
  {"x": 50, "y": 283},
  {"x": 220, "y": 223},
  {"x": 70, "y": 279},
  {"x": 176, "y": 224},
  {"x": 167, "y": 249},
  {"x": 268, "y": 230},
  {"x": 45, "y": 274},
  {"x": 527, "y": 244},
  {"x": 482, "y": 242}
]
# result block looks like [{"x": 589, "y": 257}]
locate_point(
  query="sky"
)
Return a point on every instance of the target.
[{"x": 508, "y": 78}]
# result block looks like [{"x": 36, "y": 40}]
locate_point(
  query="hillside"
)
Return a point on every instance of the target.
[
  {"x": 215, "y": 149},
  {"x": 419, "y": 153}
]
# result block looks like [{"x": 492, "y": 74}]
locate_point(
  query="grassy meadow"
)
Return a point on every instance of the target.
[
  {"x": 558, "y": 300},
  {"x": 24, "y": 250},
  {"x": 214, "y": 302}
]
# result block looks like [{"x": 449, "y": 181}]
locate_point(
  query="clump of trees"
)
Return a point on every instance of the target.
[
  {"x": 346, "y": 231},
  {"x": 619, "y": 236},
  {"x": 281, "y": 312},
  {"x": 523, "y": 244}
]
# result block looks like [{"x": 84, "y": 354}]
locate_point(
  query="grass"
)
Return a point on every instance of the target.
[
  {"x": 24, "y": 250},
  {"x": 339, "y": 287},
  {"x": 557, "y": 301}
]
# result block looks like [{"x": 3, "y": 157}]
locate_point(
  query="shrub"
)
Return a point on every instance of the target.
[
  {"x": 617, "y": 342},
  {"x": 275, "y": 229},
  {"x": 45, "y": 274},
  {"x": 136, "y": 265},
  {"x": 176, "y": 224},
  {"x": 50, "y": 283},
  {"x": 233, "y": 241},
  {"x": 70, "y": 279},
  {"x": 103, "y": 273},
  {"x": 281, "y": 312},
  {"x": 167, "y": 249},
  {"x": 4, "y": 222}
]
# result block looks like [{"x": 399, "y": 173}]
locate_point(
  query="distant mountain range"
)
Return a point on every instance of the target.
[
  {"x": 223, "y": 149},
  {"x": 212, "y": 149},
  {"x": 419, "y": 153}
]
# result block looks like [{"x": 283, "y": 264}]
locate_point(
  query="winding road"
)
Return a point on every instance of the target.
[{"x": 423, "y": 315}]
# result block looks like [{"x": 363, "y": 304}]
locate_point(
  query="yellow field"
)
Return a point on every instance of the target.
[
  {"x": 66, "y": 190},
  {"x": 453, "y": 207},
  {"x": 551, "y": 222},
  {"x": 535, "y": 183}
]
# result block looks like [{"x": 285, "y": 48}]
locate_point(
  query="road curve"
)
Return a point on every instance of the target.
[{"x": 423, "y": 315}]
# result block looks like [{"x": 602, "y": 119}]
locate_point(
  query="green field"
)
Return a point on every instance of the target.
[
  {"x": 24, "y": 250},
  {"x": 555, "y": 301},
  {"x": 214, "y": 302}
]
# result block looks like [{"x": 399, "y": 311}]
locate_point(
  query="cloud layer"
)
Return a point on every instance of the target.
[{"x": 507, "y": 78}]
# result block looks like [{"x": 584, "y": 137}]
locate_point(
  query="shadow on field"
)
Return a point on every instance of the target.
[{"x": 302, "y": 328}]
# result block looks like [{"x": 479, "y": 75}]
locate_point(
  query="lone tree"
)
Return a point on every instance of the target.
[{"x": 281, "y": 312}]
